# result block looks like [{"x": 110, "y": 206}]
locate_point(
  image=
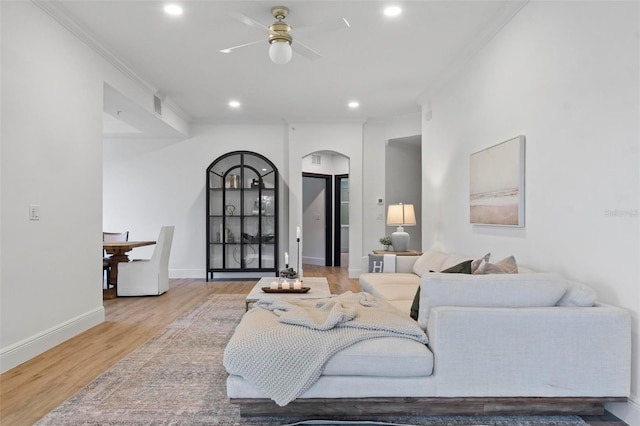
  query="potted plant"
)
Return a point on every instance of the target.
[{"x": 386, "y": 242}]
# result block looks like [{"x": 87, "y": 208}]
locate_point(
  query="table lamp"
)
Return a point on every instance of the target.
[{"x": 400, "y": 215}]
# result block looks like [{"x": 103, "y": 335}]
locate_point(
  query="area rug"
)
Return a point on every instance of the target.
[{"x": 177, "y": 378}]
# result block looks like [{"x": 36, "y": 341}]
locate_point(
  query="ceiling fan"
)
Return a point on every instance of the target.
[{"x": 280, "y": 39}]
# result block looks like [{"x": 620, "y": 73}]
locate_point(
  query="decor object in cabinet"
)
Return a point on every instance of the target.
[{"x": 242, "y": 214}]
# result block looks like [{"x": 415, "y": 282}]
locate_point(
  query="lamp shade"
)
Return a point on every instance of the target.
[
  {"x": 280, "y": 51},
  {"x": 401, "y": 215}
]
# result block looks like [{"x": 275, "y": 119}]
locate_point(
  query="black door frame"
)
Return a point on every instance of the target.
[
  {"x": 328, "y": 197},
  {"x": 337, "y": 230}
]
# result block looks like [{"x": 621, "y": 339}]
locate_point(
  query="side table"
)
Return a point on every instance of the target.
[{"x": 399, "y": 253}]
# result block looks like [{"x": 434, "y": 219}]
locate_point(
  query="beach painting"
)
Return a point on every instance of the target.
[{"x": 496, "y": 184}]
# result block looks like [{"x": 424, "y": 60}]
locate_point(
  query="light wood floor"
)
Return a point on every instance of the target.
[{"x": 34, "y": 388}]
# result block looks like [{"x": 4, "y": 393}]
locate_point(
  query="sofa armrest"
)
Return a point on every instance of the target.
[
  {"x": 542, "y": 351},
  {"x": 404, "y": 264}
]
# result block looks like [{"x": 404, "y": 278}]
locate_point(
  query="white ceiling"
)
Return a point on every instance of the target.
[{"x": 388, "y": 65}]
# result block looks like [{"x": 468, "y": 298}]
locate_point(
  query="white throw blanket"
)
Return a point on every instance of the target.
[{"x": 281, "y": 346}]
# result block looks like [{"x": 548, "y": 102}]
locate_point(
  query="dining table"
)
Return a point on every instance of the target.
[{"x": 117, "y": 251}]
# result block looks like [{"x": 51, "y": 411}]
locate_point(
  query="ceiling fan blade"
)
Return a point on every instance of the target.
[
  {"x": 305, "y": 50},
  {"x": 250, "y": 22},
  {"x": 231, "y": 49},
  {"x": 323, "y": 27}
]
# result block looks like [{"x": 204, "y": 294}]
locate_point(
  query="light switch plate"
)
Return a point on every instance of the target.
[{"x": 34, "y": 212}]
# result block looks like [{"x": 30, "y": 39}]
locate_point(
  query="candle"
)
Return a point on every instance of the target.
[
  {"x": 285, "y": 285},
  {"x": 298, "y": 232},
  {"x": 274, "y": 285},
  {"x": 286, "y": 258},
  {"x": 297, "y": 285}
]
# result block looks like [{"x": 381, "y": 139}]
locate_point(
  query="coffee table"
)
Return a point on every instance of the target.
[{"x": 319, "y": 287}]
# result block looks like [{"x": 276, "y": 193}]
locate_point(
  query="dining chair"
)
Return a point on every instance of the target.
[
  {"x": 108, "y": 237},
  {"x": 148, "y": 277}
]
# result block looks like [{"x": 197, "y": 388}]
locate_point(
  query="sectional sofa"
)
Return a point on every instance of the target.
[{"x": 521, "y": 343}]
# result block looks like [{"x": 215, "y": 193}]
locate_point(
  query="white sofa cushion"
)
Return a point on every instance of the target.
[
  {"x": 431, "y": 260},
  {"x": 385, "y": 356},
  {"x": 578, "y": 294},
  {"x": 403, "y": 306},
  {"x": 501, "y": 290},
  {"x": 399, "y": 286}
]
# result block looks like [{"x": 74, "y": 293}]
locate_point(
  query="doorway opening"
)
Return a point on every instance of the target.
[{"x": 325, "y": 209}]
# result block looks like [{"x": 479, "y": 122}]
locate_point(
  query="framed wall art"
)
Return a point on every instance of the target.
[{"x": 496, "y": 184}]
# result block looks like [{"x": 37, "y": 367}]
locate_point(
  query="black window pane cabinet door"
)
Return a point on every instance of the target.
[{"x": 242, "y": 214}]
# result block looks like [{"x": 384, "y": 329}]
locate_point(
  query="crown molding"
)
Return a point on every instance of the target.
[
  {"x": 60, "y": 14},
  {"x": 499, "y": 21}
]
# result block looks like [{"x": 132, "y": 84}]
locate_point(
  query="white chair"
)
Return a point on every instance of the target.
[
  {"x": 108, "y": 237},
  {"x": 148, "y": 277}
]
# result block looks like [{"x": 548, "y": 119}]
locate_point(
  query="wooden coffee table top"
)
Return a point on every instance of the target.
[{"x": 319, "y": 287}]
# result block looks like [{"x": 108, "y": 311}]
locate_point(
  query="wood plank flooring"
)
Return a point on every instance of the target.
[{"x": 34, "y": 388}]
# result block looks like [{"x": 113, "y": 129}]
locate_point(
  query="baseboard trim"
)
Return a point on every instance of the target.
[
  {"x": 23, "y": 351},
  {"x": 318, "y": 261},
  {"x": 628, "y": 412},
  {"x": 187, "y": 273}
]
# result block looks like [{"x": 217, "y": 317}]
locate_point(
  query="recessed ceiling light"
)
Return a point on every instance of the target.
[
  {"x": 173, "y": 9},
  {"x": 392, "y": 11},
  {"x": 234, "y": 104},
  {"x": 353, "y": 104}
]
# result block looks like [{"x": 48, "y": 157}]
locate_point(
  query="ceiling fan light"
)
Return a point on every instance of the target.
[{"x": 280, "y": 52}]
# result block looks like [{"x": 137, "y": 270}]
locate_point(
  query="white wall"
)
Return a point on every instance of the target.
[
  {"x": 402, "y": 183},
  {"x": 342, "y": 138},
  {"x": 150, "y": 183},
  {"x": 330, "y": 164},
  {"x": 376, "y": 135},
  {"x": 565, "y": 75},
  {"x": 52, "y": 106},
  {"x": 48, "y": 79}
]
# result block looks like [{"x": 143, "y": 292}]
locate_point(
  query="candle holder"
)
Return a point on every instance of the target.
[{"x": 298, "y": 259}]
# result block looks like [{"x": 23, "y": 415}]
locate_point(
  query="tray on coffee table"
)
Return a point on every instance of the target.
[
  {"x": 286, "y": 290},
  {"x": 318, "y": 288}
]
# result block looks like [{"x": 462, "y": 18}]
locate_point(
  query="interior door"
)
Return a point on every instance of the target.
[{"x": 341, "y": 214}]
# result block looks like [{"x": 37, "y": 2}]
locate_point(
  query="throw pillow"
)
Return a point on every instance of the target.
[
  {"x": 477, "y": 262},
  {"x": 376, "y": 263},
  {"x": 460, "y": 268},
  {"x": 507, "y": 265},
  {"x": 431, "y": 259},
  {"x": 382, "y": 263}
]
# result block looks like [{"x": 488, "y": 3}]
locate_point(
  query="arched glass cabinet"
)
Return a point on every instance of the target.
[{"x": 242, "y": 214}]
